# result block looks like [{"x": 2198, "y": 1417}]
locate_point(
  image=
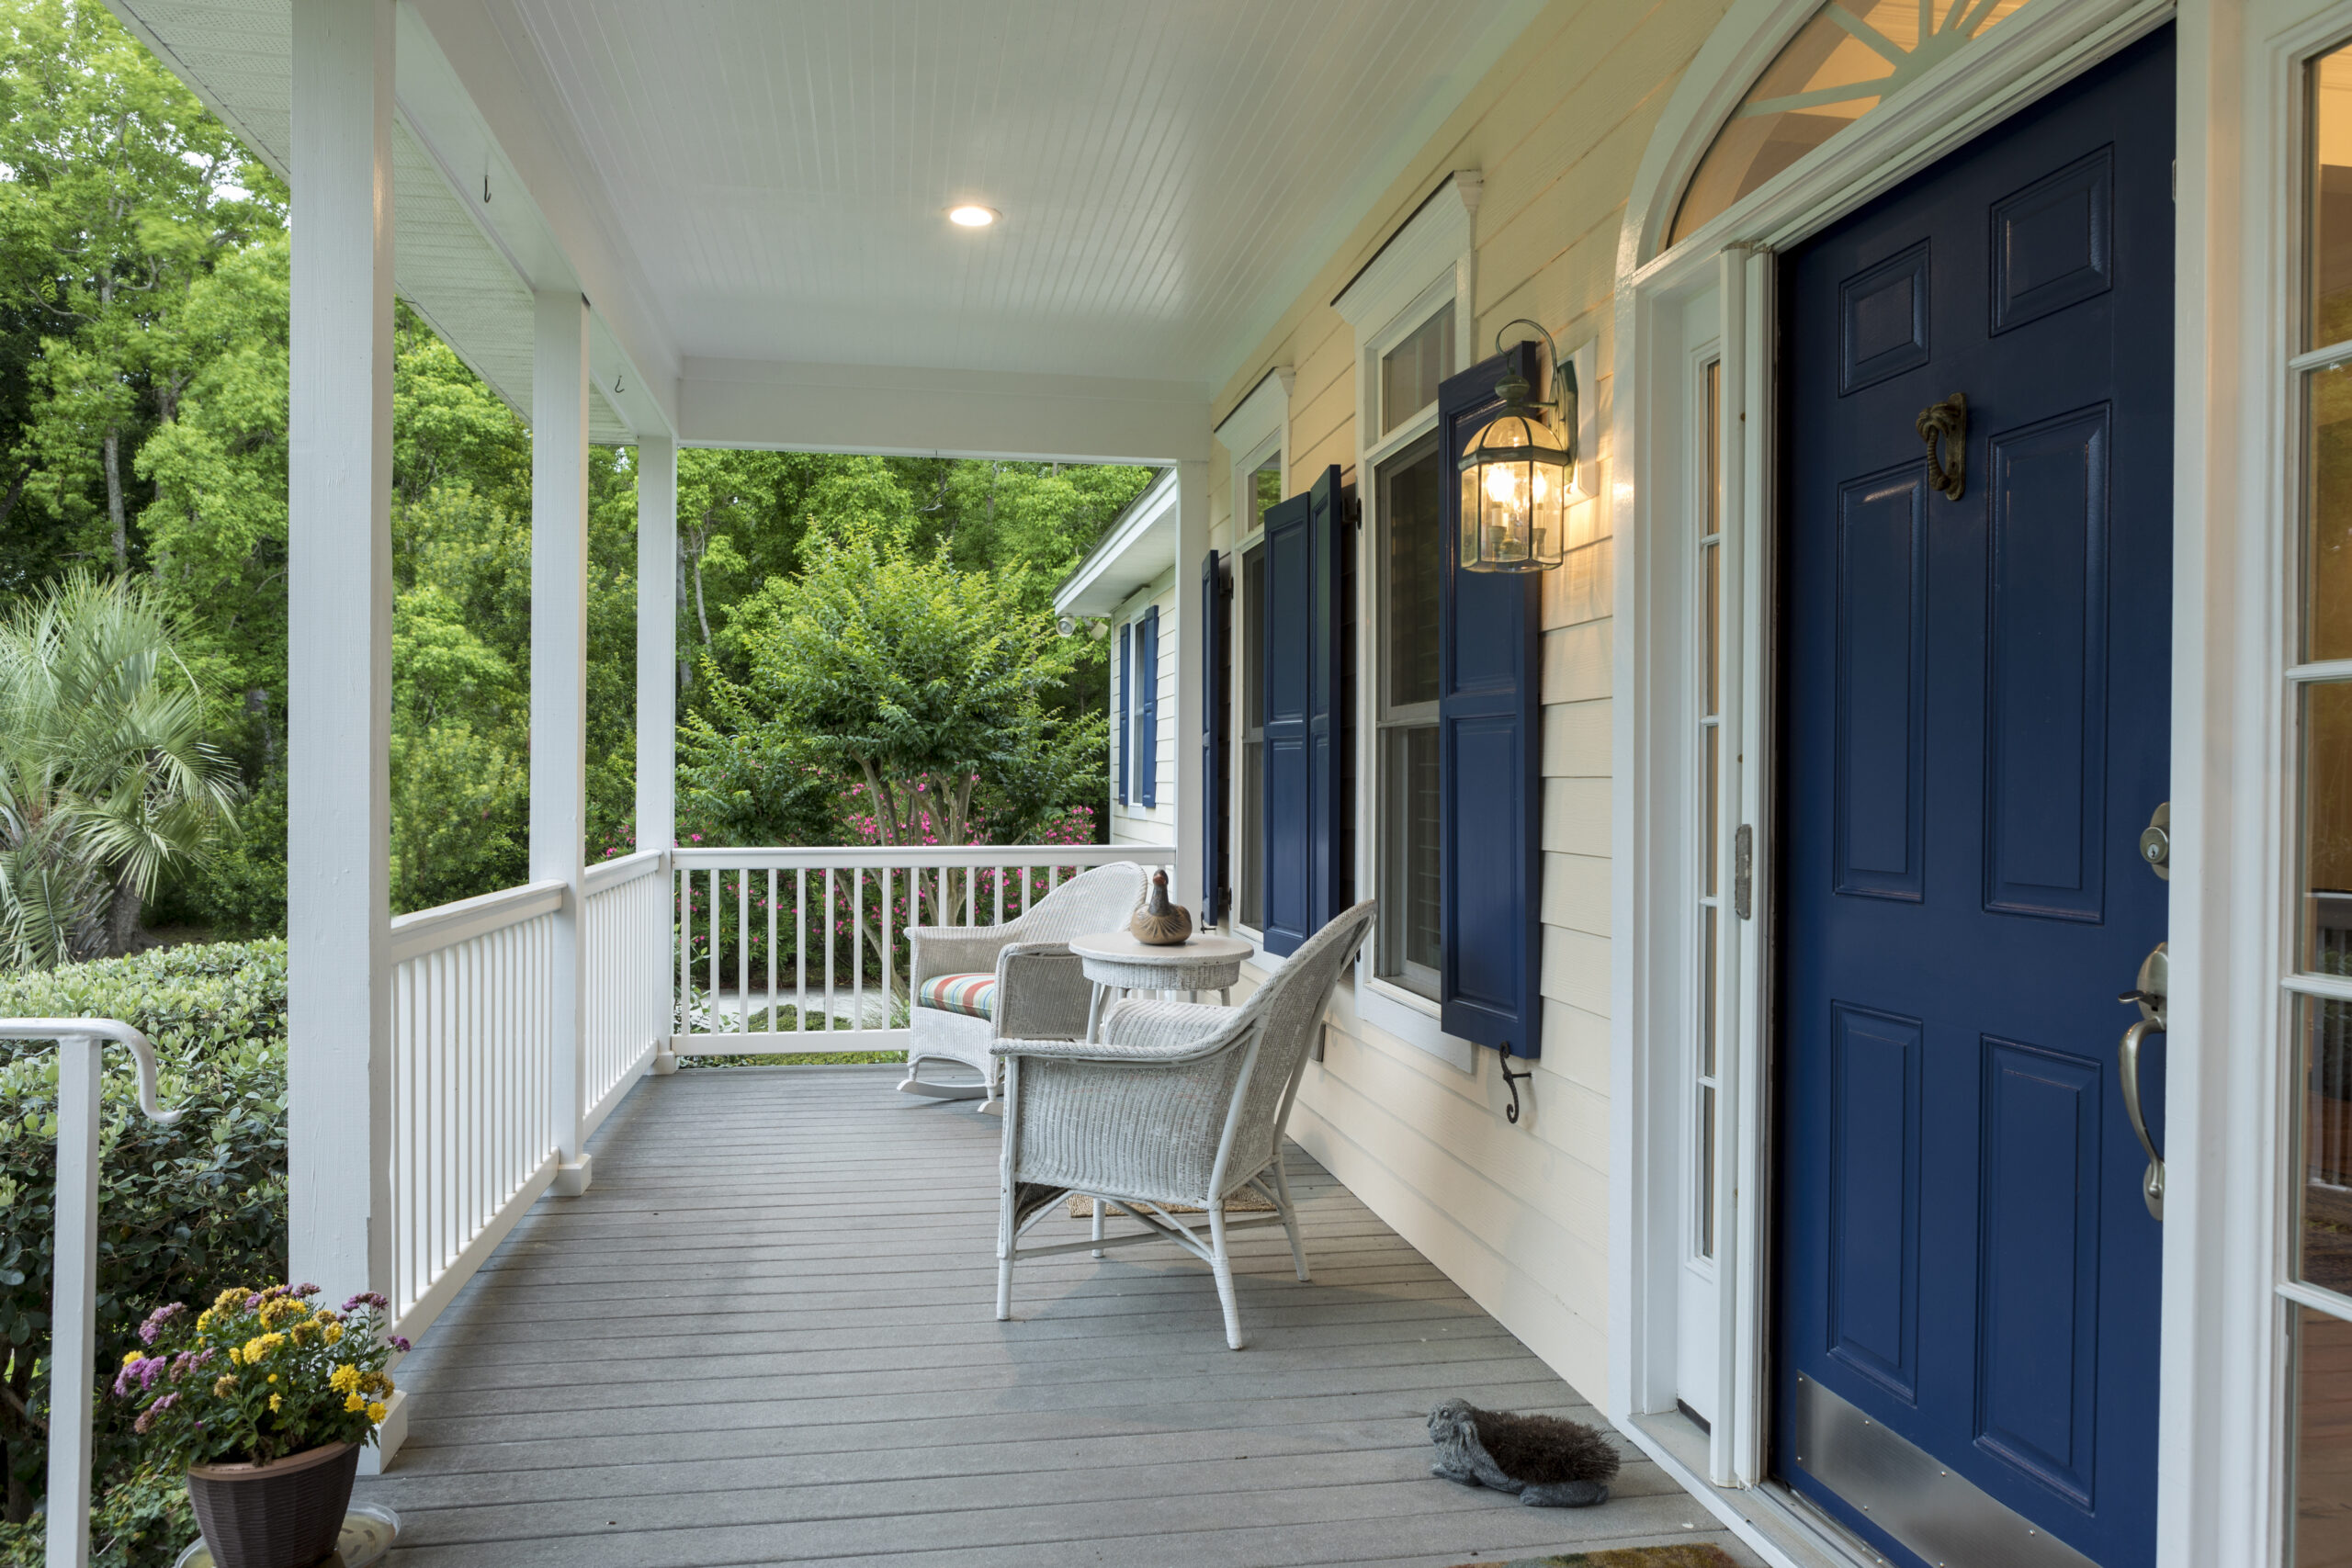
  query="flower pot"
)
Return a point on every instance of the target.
[{"x": 285, "y": 1514}]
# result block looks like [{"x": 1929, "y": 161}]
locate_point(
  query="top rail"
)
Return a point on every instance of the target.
[
  {"x": 605, "y": 873},
  {"x": 816, "y": 857},
  {"x": 429, "y": 930}
]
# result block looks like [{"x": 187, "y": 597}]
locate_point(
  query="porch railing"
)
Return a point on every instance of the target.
[{"x": 813, "y": 941}]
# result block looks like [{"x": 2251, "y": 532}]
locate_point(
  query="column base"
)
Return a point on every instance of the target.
[
  {"x": 390, "y": 1433},
  {"x": 571, "y": 1181},
  {"x": 664, "y": 1064}
]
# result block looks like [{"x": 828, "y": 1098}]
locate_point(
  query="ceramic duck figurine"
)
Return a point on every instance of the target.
[{"x": 1159, "y": 923}]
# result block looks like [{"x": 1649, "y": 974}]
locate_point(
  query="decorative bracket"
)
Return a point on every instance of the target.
[{"x": 1511, "y": 1081}]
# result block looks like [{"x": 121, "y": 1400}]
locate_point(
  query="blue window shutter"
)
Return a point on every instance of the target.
[
  {"x": 1327, "y": 773},
  {"x": 1216, "y": 688},
  {"x": 1287, "y": 854},
  {"x": 1148, "y": 711},
  {"x": 1490, "y": 719},
  {"x": 1126, "y": 701}
]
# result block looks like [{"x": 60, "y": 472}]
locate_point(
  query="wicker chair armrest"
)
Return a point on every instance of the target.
[
  {"x": 1156, "y": 1023},
  {"x": 956, "y": 950},
  {"x": 1042, "y": 993},
  {"x": 1121, "y": 1125},
  {"x": 1094, "y": 1051}
]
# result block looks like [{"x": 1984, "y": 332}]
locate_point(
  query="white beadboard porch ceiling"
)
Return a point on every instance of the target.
[
  {"x": 752, "y": 194},
  {"x": 1162, "y": 166}
]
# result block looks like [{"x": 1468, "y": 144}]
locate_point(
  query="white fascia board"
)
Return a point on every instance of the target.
[
  {"x": 496, "y": 115},
  {"x": 907, "y": 411},
  {"x": 1138, "y": 550}
]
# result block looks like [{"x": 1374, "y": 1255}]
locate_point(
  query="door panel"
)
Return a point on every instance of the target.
[{"x": 1974, "y": 730}]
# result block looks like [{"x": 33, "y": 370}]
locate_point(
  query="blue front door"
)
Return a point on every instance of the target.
[{"x": 1978, "y": 678}]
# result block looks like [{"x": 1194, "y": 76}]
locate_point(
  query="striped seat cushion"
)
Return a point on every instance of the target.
[{"x": 974, "y": 996}]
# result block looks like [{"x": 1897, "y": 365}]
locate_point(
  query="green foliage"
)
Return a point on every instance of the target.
[
  {"x": 925, "y": 682},
  {"x": 107, "y": 777},
  {"x": 184, "y": 1209}
]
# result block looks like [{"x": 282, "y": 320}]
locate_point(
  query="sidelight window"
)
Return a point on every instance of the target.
[
  {"x": 1707, "y": 832},
  {"x": 2316, "y": 1281},
  {"x": 1409, "y": 850}
]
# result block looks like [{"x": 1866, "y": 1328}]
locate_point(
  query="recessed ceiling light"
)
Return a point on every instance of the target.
[{"x": 971, "y": 216}]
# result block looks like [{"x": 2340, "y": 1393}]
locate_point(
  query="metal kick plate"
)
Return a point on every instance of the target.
[{"x": 1944, "y": 1517}]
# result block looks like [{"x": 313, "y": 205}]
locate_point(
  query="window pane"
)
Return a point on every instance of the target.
[
  {"x": 1266, "y": 488},
  {"x": 1709, "y": 792},
  {"x": 1837, "y": 68},
  {"x": 1707, "y": 917},
  {"x": 2323, "y": 1440},
  {"x": 1712, "y": 611},
  {"x": 1409, "y": 860},
  {"x": 2330, "y": 220},
  {"x": 1251, "y": 894},
  {"x": 2327, "y": 827},
  {"x": 1408, "y": 512},
  {"x": 1409, "y": 372},
  {"x": 2327, "y": 528},
  {"x": 1253, "y": 641},
  {"x": 1706, "y": 1172},
  {"x": 2325, "y": 1251}
]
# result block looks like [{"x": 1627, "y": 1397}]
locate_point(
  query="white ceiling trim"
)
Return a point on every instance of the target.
[{"x": 902, "y": 411}]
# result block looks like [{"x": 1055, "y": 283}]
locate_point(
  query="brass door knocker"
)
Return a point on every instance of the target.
[{"x": 1947, "y": 420}]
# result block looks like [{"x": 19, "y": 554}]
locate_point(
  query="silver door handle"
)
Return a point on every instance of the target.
[{"x": 2127, "y": 1056}]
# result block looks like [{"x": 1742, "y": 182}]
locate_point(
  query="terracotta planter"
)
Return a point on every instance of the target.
[{"x": 285, "y": 1514}]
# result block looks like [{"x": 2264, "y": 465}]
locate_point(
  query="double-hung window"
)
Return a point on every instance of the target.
[
  {"x": 1259, "y": 486},
  {"x": 1410, "y": 475}
]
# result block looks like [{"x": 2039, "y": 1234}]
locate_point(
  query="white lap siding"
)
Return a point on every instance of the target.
[{"x": 1517, "y": 1215}]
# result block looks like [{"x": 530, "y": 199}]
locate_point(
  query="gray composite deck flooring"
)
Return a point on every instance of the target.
[{"x": 766, "y": 1336}]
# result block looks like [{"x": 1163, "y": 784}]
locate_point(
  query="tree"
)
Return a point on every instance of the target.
[
  {"x": 105, "y": 775},
  {"x": 922, "y": 685}
]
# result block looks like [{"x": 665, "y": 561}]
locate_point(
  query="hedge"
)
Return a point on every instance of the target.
[{"x": 184, "y": 1210}]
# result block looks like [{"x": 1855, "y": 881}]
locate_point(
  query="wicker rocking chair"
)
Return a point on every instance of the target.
[
  {"x": 972, "y": 985},
  {"x": 1180, "y": 1105}
]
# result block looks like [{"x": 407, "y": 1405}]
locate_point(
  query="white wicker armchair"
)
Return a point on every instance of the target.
[
  {"x": 972, "y": 985},
  {"x": 1180, "y": 1104}
]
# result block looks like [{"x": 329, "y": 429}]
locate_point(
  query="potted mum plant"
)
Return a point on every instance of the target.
[{"x": 268, "y": 1399}]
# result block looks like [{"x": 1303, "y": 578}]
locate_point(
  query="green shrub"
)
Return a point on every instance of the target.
[{"x": 184, "y": 1210}]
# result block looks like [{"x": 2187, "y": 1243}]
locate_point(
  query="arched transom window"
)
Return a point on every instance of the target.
[{"x": 1850, "y": 57}]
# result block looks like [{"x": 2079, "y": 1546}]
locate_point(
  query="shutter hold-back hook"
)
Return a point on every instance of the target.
[{"x": 1511, "y": 1082}]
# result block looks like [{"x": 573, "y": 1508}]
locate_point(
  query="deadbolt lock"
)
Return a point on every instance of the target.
[{"x": 2156, "y": 842}]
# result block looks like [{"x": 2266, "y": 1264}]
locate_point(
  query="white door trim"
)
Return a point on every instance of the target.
[{"x": 2219, "y": 1430}]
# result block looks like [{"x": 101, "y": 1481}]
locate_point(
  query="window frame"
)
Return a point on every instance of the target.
[
  {"x": 1428, "y": 264},
  {"x": 1386, "y": 716}
]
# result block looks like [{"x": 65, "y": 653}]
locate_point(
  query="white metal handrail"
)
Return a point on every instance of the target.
[
  {"x": 825, "y": 928},
  {"x": 73, "y": 1270}
]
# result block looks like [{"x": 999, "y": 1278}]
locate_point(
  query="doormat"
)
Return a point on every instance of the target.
[
  {"x": 1248, "y": 1201},
  {"x": 1688, "y": 1554}
]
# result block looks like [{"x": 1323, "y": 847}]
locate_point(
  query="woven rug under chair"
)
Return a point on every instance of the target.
[
  {"x": 1248, "y": 1201},
  {"x": 1685, "y": 1554}
]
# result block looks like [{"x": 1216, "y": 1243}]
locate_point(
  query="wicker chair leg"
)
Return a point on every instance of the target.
[
  {"x": 1289, "y": 1217},
  {"x": 1100, "y": 1207},
  {"x": 1223, "y": 1263}
]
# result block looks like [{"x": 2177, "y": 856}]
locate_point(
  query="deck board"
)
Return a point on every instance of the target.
[{"x": 766, "y": 1336}]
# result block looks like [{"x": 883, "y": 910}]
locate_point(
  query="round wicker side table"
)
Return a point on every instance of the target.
[{"x": 1115, "y": 960}]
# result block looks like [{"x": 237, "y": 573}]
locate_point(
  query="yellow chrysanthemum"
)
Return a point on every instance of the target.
[
  {"x": 332, "y": 1333},
  {"x": 229, "y": 1298},
  {"x": 345, "y": 1378},
  {"x": 354, "y": 1402},
  {"x": 273, "y": 1404},
  {"x": 273, "y": 1377},
  {"x": 224, "y": 1385},
  {"x": 129, "y": 1356},
  {"x": 204, "y": 1320},
  {"x": 376, "y": 1412},
  {"x": 377, "y": 1383}
]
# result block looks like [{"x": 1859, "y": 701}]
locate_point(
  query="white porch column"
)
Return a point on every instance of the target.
[
  {"x": 559, "y": 683},
  {"x": 1192, "y": 621},
  {"x": 657, "y": 663},
  {"x": 339, "y": 685}
]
